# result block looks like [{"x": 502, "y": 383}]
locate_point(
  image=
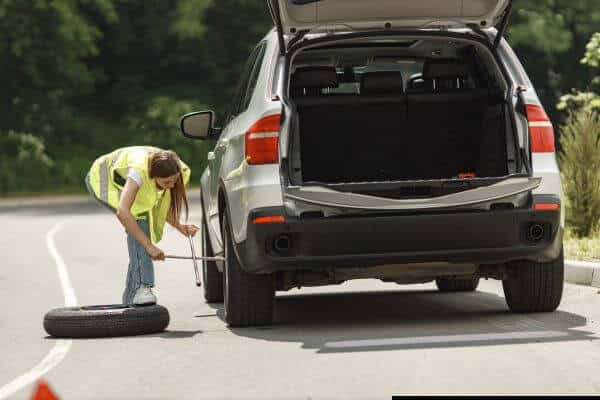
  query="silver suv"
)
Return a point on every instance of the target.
[{"x": 394, "y": 140}]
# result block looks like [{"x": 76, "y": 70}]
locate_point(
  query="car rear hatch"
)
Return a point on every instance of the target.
[
  {"x": 336, "y": 16},
  {"x": 297, "y": 18},
  {"x": 506, "y": 191}
]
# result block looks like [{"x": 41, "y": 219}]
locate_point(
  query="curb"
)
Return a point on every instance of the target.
[
  {"x": 582, "y": 273},
  {"x": 43, "y": 202},
  {"x": 65, "y": 202}
]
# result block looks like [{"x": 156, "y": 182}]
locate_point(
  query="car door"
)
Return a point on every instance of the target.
[{"x": 215, "y": 158}]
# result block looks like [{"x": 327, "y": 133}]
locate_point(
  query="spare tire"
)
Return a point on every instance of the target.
[{"x": 105, "y": 321}]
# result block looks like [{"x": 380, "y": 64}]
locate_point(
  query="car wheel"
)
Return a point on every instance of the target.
[
  {"x": 248, "y": 297},
  {"x": 533, "y": 286},
  {"x": 106, "y": 321},
  {"x": 213, "y": 279},
  {"x": 457, "y": 285}
]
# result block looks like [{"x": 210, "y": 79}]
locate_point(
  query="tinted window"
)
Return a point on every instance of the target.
[
  {"x": 253, "y": 77},
  {"x": 242, "y": 85}
]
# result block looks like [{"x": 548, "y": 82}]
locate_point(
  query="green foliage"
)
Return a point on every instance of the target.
[
  {"x": 589, "y": 100},
  {"x": 42, "y": 60},
  {"x": 592, "y": 53},
  {"x": 24, "y": 165},
  {"x": 544, "y": 28},
  {"x": 577, "y": 99},
  {"x": 233, "y": 28},
  {"x": 159, "y": 126},
  {"x": 186, "y": 24},
  {"x": 88, "y": 76},
  {"x": 580, "y": 165},
  {"x": 550, "y": 36}
]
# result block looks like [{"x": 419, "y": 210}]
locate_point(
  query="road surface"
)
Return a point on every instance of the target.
[{"x": 364, "y": 339}]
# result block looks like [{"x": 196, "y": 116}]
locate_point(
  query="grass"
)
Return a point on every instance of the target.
[{"x": 582, "y": 249}]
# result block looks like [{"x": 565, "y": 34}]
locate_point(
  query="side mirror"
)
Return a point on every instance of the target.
[{"x": 199, "y": 125}]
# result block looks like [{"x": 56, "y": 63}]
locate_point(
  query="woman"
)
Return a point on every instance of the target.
[{"x": 145, "y": 186}]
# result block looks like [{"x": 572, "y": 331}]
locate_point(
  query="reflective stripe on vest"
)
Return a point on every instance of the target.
[{"x": 104, "y": 181}]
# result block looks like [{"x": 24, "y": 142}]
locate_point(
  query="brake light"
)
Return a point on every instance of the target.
[
  {"x": 273, "y": 219},
  {"x": 541, "y": 131},
  {"x": 546, "y": 207},
  {"x": 262, "y": 141}
]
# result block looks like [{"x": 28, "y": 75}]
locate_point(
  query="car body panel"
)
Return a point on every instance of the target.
[
  {"x": 332, "y": 198},
  {"x": 356, "y": 15},
  {"x": 243, "y": 186}
]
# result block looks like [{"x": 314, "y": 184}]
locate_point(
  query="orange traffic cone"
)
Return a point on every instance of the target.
[{"x": 43, "y": 392}]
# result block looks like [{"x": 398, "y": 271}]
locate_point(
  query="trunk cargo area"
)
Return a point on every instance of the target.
[
  {"x": 402, "y": 137},
  {"x": 414, "y": 109}
]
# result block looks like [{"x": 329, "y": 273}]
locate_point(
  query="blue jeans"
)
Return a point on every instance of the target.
[{"x": 141, "y": 268}]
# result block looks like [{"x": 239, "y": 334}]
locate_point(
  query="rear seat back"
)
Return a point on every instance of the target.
[
  {"x": 458, "y": 120},
  {"x": 338, "y": 125}
]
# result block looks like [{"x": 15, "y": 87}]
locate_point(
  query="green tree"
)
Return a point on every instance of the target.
[
  {"x": 549, "y": 36},
  {"x": 586, "y": 99},
  {"x": 157, "y": 126},
  {"x": 42, "y": 61},
  {"x": 24, "y": 164},
  {"x": 233, "y": 27}
]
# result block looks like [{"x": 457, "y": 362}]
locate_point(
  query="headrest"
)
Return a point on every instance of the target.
[
  {"x": 381, "y": 82},
  {"x": 444, "y": 69},
  {"x": 315, "y": 77}
]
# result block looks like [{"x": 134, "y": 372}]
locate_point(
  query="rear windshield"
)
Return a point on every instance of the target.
[
  {"x": 350, "y": 77},
  {"x": 471, "y": 68}
]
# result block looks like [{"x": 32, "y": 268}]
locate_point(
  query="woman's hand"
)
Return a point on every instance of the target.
[
  {"x": 155, "y": 253},
  {"x": 188, "y": 230}
]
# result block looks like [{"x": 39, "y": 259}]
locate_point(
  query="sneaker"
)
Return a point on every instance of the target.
[{"x": 144, "y": 296}]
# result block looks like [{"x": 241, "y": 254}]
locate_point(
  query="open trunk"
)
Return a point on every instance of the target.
[{"x": 413, "y": 110}]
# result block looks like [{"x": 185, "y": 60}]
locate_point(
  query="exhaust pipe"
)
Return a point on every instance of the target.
[
  {"x": 282, "y": 244},
  {"x": 535, "y": 233}
]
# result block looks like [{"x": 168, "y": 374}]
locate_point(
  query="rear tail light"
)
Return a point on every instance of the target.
[
  {"x": 541, "y": 131},
  {"x": 546, "y": 207},
  {"x": 262, "y": 141},
  {"x": 272, "y": 219}
]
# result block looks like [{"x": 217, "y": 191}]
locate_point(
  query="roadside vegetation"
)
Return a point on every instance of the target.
[
  {"x": 580, "y": 162},
  {"x": 82, "y": 77},
  {"x": 582, "y": 248}
]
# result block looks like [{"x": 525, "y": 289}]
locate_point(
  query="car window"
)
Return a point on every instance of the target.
[
  {"x": 253, "y": 78},
  {"x": 234, "y": 108}
]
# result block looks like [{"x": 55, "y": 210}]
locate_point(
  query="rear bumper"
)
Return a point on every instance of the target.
[{"x": 488, "y": 237}]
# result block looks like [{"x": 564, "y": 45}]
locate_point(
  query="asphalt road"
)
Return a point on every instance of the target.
[{"x": 363, "y": 339}]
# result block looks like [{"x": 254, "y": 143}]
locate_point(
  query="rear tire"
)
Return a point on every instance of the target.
[
  {"x": 534, "y": 287},
  {"x": 213, "y": 279},
  {"x": 457, "y": 285},
  {"x": 248, "y": 297}
]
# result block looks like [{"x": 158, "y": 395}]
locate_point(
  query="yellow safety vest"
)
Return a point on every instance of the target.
[{"x": 107, "y": 178}]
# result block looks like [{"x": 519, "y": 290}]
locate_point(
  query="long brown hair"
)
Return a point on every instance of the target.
[{"x": 163, "y": 164}]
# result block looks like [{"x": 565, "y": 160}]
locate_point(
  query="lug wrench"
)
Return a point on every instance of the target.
[{"x": 195, "y": 259}]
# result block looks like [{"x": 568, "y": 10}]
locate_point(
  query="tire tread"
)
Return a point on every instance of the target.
[
  {"x": 77, "y": 322},
  {"x": 533, "y": 286}
]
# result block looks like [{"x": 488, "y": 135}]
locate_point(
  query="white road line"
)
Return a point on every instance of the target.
[
  {"x": 448, "y": 339},
  {"x": 60, "y": 349}
]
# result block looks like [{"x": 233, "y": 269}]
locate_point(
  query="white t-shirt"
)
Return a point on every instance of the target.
[{"x": 134, "y": 175}]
